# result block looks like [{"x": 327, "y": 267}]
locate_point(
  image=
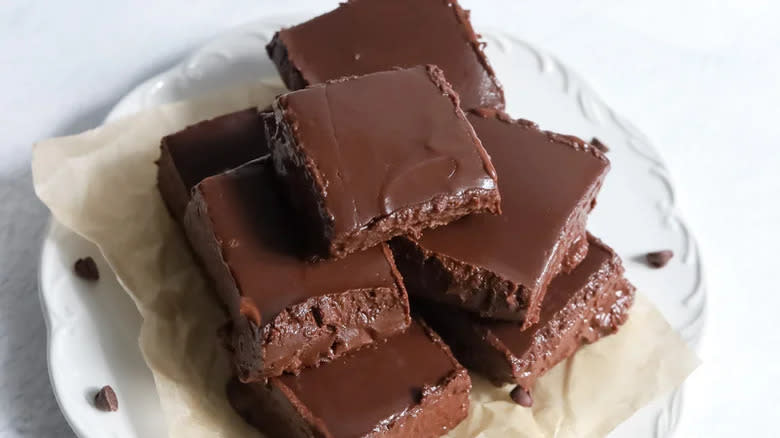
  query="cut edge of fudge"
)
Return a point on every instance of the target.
[
  {"x": 290, "y": 74},
  {"x": 325, "y": 326},
  {"x": 594, "y": 311},
  {"x": 476, "y": 289},
  {"x": 274, "y": 408},
  {"x": 316, "y": 330},
  {"x": 302, "y": 176},
  {"x": 443, "y": 279},
  {"x": 294, "y": 79}
]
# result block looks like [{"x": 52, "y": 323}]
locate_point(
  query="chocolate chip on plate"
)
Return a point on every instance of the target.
[
  {"x": 659, "y": 259},
  {"x": 105, "y": 399},
  {"x": 599, "y": 145},
  {"x": 521, "y": 397},
  {"x": 86, "y": 269}
]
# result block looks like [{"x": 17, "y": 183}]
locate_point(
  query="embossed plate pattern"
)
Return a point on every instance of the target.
[{"x": 94, "y": 341}]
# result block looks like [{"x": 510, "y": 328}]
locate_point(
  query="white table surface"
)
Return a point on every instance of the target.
[{"x": 701, "y": 78}]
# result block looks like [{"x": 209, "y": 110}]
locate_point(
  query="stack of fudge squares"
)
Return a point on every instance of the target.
[{"x": 386, "y": 222}]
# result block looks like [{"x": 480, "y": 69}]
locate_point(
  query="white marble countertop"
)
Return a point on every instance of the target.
[{"x": 699, "y": 77}]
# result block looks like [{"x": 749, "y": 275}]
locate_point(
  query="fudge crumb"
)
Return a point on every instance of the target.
[
  {"x": 521, "y": 397},
  {"x": 105, "y": 399},
  {"x": 87, "y": 269},
  {"x": 659, "y": 259},
  {"x": 599, "y": 145},
  {"x": 249, "y": 310}
]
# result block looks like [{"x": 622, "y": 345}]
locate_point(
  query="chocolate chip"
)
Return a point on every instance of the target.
[
  {"x": 105, "y": 399},
  {"x": 659, "y": 259},
  {"x": 599, "y": 145},
  {"x": 86, "y": 269},
  {"x": 522, "y": 397}
]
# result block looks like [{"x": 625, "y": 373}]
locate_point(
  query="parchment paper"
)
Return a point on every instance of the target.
[{"x": 102, "y": 185}]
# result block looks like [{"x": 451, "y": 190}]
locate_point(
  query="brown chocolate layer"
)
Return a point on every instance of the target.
[
  {"x": 367, "y": 36},
  {"x": 288, "y": 313},
  {"x": 408, "y": 386},
  {"x": 580, "y": 307},
  {"x": 500, "y": 266},
  {"x": 372, "y": 157},
  {"x": 204, "y": 149}
]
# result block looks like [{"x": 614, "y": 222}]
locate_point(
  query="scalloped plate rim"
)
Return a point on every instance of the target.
[{"x": 50, "y": 327}]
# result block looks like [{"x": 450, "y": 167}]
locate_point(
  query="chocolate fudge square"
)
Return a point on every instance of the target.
[
  {"x": 409, "y": 386},
  {"x": 204, "y": 149},
  {"x": 500, "y": 266},
  {"x": 580, "y": 307},
  {"x": 368, "y": 158},
  {"x": 287, "y": 313},
  {"x": 367, "y": 36}
]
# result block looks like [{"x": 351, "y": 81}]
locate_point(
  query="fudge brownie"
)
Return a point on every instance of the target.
[
  {"x": 500, "y": 266},
  {"x": 580, "y": 307},
  {"x": 367, "y": 36},
  {"x": 206, "y": 149},
  {"x": 409, "y": 386},
  {"x": 371, "y": 157},
  {"x": 287, "y": 313}
]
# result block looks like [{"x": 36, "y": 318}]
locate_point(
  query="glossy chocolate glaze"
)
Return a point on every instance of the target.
[
  {"x": 548, "y": 184},
  {"x": 544, "y": 178},
  {"x": 309, "y": 312},
  {"x": 208, "y": 148},
  {"x": 580, "y": 307},
  {"x": 264, "y": 250},
  {"x": 366, "y": 36},
  {"x": 408, "y": 386},
  {"x": 374, "y": 385},
  {"x": 378, "y": 144}
]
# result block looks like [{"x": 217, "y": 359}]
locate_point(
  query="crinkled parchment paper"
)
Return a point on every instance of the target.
[{"x": 102, "y": 185}]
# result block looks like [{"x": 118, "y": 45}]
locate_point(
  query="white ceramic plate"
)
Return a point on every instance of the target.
[{"x": 93, "y": 329}]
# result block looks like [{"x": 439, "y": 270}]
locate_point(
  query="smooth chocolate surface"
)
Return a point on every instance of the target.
[
  {"x": 580, "y": 307},
  {"x": 500, "y": 266},
  {"x": 375, "y": 156},
  {"x": 207, "y": 148},
  {"x": 408, "y": 386},
  {"x": 367, "y": 36},
  {"x": 288, "y": 312}
]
